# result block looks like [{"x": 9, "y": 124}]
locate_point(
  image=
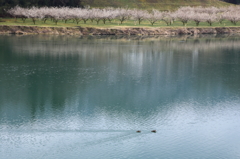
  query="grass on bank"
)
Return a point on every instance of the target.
[{"x": 114, "y": 23}]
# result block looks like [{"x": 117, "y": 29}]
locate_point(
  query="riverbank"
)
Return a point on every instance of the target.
[{"x": 5, "y": 29}]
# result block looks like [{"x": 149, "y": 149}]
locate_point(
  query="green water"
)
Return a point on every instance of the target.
[{"x": 85, "y": 97}]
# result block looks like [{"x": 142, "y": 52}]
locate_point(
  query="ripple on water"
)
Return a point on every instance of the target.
[{"x": 85, "y": 100}]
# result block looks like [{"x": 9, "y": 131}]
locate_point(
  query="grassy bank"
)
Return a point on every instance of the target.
[{"x": 113, "y": 24}]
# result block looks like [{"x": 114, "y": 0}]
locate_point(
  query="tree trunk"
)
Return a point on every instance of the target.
[
  {"x": 85, "y": 21},
  {"x": 44, "y": 20},
  {"x": 104, "y": 21},
  {"x": 34, "y": 21},
  {"x": 56, "y": 21},
  {"x": 139, "y": 21}
]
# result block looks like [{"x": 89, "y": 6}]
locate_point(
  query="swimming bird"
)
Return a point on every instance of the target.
[
  {"x": 154, "y": 131},
  {"x": 138, "y": 131}
]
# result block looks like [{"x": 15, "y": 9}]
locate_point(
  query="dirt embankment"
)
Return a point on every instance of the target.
[{"x": 116, "y": 31}]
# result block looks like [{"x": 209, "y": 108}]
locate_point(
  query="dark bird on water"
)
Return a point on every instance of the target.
[
  {"x": 138, "y": 131},
  {"x": 154, "y": 131}
]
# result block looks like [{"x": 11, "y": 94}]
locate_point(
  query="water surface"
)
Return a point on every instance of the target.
[{"x": 85, "y": 97}]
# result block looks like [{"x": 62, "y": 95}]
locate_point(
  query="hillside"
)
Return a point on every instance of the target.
[{"x": 149, "y": 4}]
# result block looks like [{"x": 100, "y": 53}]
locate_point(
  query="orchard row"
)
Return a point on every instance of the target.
[{"x": 183, "y": 14}]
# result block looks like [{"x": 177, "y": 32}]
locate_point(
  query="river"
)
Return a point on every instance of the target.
[{"x": 69, "y": 97}]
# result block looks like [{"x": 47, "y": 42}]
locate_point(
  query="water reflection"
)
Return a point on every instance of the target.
[{"x": 107, "y": 88}]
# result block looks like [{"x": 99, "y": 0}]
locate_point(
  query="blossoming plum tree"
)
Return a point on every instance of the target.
[{"x": 209, "y": 15}]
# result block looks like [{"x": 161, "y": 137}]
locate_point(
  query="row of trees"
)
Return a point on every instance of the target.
[
  {"x": 6, "y": 4},
  {"x": 183, "y": 14}
]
